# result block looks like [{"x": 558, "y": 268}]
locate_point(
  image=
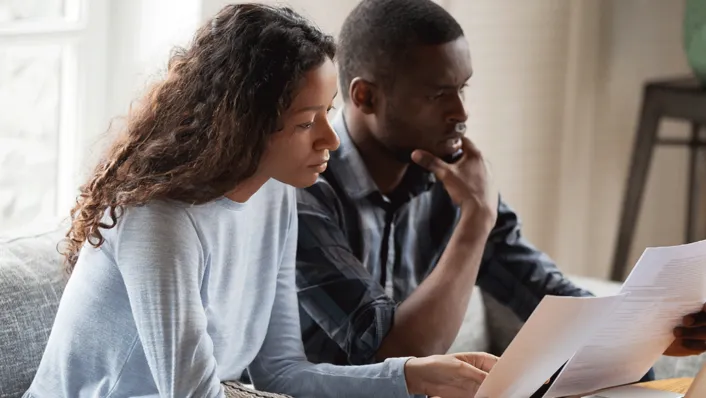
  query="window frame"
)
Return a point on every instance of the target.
[{"x": 82, "y": 36}]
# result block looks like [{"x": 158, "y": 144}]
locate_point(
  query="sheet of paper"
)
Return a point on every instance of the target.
[
  {"x": 551, "y": 335},
  {"x": 635, "y": 392},
  {"x": 666, "y": 284}
]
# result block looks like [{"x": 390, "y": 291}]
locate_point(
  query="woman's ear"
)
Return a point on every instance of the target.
[{"x": 363, "y": 95}]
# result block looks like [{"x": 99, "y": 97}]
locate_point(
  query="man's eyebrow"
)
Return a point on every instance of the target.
[{"x": 447, "y": 86}]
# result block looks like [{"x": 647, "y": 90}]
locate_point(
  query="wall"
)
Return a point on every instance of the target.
[
  {"x": 329, "y": 15},
  {"x": 516, "y": 99},
  {"x": 141, "y": 34}
]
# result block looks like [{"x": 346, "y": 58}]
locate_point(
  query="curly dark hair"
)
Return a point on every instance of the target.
[{"x": 203, "y": 129}]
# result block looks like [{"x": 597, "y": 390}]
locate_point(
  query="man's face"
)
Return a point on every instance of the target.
[{"x": 425, "y": 107}]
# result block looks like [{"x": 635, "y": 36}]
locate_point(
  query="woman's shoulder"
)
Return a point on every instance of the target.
[
  {"x": 276, "y": 196},
  {"x": 287, "y": 200},
  {"x": 162, "y": 212},
  {"x": 166, "y": 219},
  {"x": 155, "y": 227}
]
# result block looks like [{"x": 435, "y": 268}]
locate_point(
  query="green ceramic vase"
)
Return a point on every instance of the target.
[{"x": 695, "y": 37}]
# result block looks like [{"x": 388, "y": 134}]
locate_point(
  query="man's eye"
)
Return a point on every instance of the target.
[{"x": 306, "y": 125}]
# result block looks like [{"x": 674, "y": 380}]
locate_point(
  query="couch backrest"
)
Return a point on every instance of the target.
[{"x": 31, "y": 283}]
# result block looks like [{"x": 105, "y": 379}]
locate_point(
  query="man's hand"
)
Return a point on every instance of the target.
[
  {"x": 467, "y": 181},
  {"x": 443, "y": 297},
  {"x": 690, "y": 336},
  {"x": 448, "y": 376}
]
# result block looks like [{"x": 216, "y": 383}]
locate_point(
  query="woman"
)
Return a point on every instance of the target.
[{"x": 188, "y": 275}]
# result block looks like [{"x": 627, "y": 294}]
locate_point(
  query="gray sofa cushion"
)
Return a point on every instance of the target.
[
  {"x": 474, "y": 334},
  {"x": 503, "y": 325},
  {"x": 31, "y": 283}
]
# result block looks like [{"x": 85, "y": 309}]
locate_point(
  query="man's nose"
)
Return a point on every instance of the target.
[{"x": 457, "y": 111}]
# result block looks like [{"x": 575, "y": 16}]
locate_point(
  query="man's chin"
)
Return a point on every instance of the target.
[
  {"x": 443, "y": 154},
  {"x": 402, "y": 155}
]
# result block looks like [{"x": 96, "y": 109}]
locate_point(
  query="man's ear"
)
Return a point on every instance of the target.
[{"x": 363, "y": 95}]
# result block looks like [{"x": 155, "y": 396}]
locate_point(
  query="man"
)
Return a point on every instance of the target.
[{"x": 389, "y": 253}]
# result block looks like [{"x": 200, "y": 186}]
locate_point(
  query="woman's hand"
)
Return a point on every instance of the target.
[{"x": 448, "y": 376}]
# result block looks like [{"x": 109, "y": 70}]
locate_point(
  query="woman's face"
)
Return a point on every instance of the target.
[{"x": 298, "y": 153}]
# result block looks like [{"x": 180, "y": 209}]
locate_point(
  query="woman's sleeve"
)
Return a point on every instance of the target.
[{"x": 160, "y": 258}]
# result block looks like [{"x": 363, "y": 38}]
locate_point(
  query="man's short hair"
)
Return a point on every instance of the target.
[{"x": 377, "y": 33}]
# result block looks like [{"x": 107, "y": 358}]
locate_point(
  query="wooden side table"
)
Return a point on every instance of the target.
[
  {"x": 683, "y": 99},
  {"x": 673, "y": 385}
]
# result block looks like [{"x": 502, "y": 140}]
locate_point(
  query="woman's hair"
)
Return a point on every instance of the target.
[{"x": 203, "y": 129}]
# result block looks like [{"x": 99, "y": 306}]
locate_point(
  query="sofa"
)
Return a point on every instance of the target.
[{"x": 32, "y": 281}]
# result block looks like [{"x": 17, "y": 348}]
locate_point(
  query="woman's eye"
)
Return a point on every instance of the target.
[{"x": 306, "y": 125}]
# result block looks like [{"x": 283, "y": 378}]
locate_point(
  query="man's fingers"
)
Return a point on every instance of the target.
[
  {"x": 430, "y": 162},
  {"x": 694, "y": 332},
  {"x": 698, "y": 318},
  {"x": 698, "y": 346},
  {"x": 469, "y": 147}
]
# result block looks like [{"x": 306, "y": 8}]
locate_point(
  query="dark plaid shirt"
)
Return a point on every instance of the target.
[{"x": 361, "y": 253}]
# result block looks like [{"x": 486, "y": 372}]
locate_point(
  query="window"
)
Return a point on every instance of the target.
[{"x": 52, "y": 63}]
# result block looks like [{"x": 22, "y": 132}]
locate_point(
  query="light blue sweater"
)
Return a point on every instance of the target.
[{"x": 180, "y": 298}]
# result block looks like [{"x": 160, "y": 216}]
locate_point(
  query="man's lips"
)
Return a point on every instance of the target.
[{"x": 452, "y": 142}]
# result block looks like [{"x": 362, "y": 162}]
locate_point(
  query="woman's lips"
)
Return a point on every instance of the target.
[{"x": 320, "y": 168}]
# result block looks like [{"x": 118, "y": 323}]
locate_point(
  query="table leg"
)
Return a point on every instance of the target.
[
  {"x": 692, "y": 209},
  {"x": 643, "y": 149}
]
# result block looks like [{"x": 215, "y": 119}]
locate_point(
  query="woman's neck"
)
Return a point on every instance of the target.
[{"x": 247, "y": 188}]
